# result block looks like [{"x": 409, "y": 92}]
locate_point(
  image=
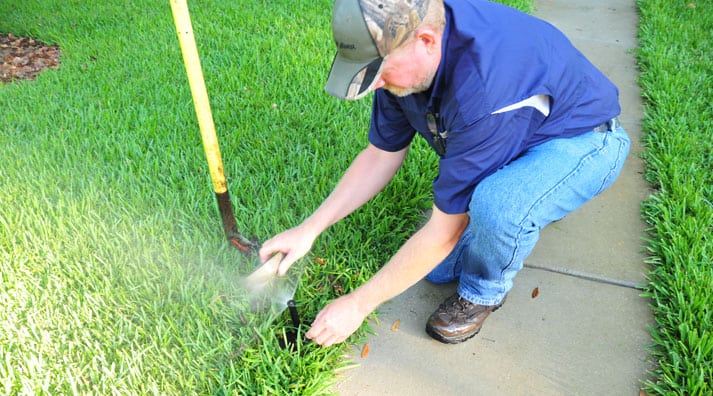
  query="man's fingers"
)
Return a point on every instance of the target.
[
  {"x": 323, "y": 333},
  {"x": 329, "y": 341},
  {"x": 324, "y": 338},
  {"x": 265, "y": 252},
  {"x": 286, "y": 257},
  {"x": 285, "y": 264},
  {"x": 316, "y": 329}
]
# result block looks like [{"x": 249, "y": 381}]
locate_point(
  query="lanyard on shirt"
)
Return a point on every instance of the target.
[{"x": 435, "y": 126}]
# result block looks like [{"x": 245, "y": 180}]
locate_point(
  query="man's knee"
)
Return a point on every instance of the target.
[{"x": 492, "y": 213}]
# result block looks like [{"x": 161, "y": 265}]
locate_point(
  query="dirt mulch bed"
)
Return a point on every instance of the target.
[{"x": 22, "y": 58}]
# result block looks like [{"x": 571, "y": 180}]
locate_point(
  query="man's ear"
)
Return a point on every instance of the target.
[{"x": 429, "y": 38}]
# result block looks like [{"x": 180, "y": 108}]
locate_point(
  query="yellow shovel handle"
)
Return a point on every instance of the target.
[{"x": 192, "y": 61}]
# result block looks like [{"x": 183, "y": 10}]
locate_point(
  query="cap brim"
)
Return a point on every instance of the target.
[{"x": 352, "y": 80}]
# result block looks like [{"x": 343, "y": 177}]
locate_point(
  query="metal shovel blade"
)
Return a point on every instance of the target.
[
  {"x": 267, "y": 290},
  {"x": 263, "y": 275}
]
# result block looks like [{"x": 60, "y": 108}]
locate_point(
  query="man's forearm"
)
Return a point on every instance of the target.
[
  {"x": 370, "y": 171},
  {"x": 416, "y": 258}
]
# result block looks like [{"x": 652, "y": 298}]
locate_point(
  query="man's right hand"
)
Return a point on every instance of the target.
[{"x": 293, "y": 243}]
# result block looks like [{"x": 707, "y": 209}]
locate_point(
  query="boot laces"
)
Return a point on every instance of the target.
[{"x": 456, "y": 305}]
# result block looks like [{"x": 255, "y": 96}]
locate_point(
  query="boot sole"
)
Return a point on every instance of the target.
[{"x": 449, "y": 340}]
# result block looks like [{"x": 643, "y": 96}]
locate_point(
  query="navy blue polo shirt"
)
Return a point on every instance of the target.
[{"x": 494, "y": 56}]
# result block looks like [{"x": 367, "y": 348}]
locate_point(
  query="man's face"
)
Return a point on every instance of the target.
[{"x": 408, "y": 70}]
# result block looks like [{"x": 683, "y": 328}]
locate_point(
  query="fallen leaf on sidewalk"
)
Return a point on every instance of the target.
[
  {"x": 535, "y": 292},
  {"x": 365, "y": 350},
  {"x": 395, "y": 326}
]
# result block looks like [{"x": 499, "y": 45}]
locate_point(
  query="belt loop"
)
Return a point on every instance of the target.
[
  {"x": 610, "y": 125},
  {"x": 613, "y": 124}
]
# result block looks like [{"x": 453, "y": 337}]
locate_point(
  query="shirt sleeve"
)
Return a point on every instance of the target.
[
  {"x": 476, "y": 151},
  {"x": 390, "y": 129}
]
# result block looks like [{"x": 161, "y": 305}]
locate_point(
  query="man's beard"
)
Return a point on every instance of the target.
[{"x": 421, "y": 87}]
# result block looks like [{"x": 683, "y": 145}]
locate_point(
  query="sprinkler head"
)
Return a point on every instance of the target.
[
  {"x": 293, "y": 313},
  {"x": 290, "y": 338}
]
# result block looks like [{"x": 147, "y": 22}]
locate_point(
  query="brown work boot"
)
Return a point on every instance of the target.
[{"x": 457, "y": 319}]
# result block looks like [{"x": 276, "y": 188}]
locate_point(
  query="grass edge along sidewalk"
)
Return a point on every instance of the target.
[
  {"x": 676, "y": 66},
  {"x": 676, "y": 81}
]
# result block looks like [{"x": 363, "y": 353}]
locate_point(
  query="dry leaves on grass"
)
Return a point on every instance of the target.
[{"x": 22, "y": 58}]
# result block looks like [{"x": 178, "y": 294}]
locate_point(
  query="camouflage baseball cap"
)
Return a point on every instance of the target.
[{"x": 365, "y": 31}]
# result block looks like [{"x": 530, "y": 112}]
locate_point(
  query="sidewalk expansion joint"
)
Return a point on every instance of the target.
[{"x": 587, "y": 276}]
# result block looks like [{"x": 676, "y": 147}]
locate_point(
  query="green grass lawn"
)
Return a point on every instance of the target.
[
  {"x": 114, "y": 274},
  {"x": 677, "y": 82}
]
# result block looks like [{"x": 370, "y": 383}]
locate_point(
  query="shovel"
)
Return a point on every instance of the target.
[
  {"x": 192, "y": 62},
  {"x": 266, "y": 289}
]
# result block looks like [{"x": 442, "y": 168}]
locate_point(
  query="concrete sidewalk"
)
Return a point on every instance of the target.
[{"x": 586, "y": 331}]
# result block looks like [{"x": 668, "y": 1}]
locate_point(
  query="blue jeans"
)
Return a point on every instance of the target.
[{"x": 509, "y": 208}]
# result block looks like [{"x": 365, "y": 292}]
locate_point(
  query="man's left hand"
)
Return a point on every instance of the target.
[{"x": 337, "y": 321}]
